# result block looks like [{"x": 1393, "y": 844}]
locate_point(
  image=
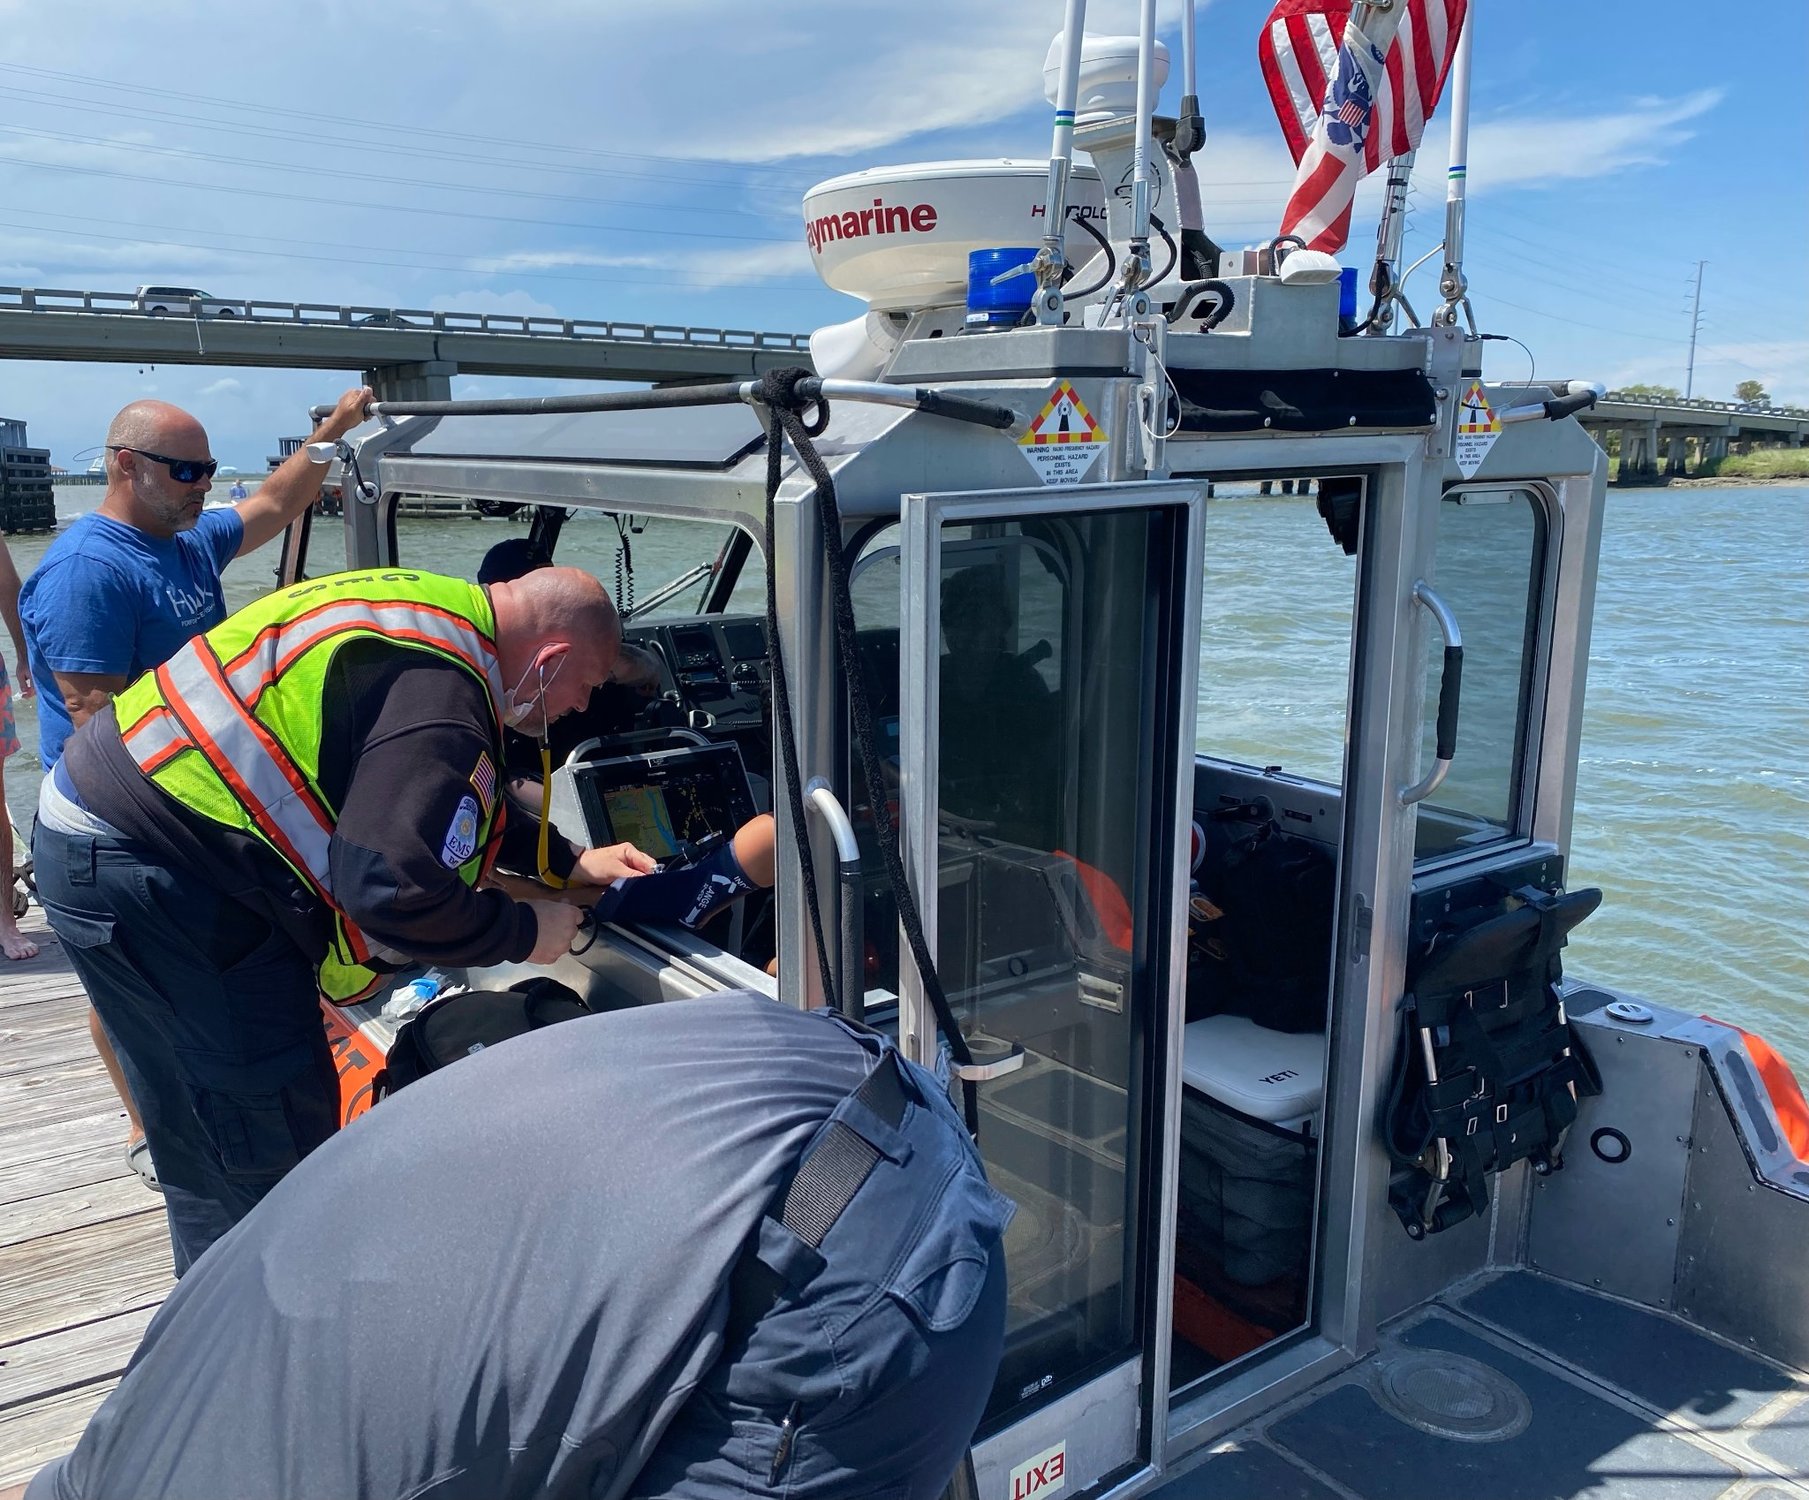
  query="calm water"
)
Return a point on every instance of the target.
[{"x": 1693, "y": 791}]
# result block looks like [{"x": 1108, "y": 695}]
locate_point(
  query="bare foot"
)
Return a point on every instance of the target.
[{"x": 15, "y": 944}]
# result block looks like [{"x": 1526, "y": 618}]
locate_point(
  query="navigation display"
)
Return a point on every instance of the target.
[
  {"x": 656, "y": 818},
  {"x": 665, "y": 799}
]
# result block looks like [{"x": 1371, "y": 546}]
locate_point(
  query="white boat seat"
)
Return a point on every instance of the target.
[{"x": 1274, "y": 1076}]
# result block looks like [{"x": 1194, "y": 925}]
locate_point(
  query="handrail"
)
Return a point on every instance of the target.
[{"x": 398, "y": 319}]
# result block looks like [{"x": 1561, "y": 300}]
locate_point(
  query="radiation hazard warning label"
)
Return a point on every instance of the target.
[
  {"x": 1477, "y": 429},
  {"x": 1064, "y": 438}
]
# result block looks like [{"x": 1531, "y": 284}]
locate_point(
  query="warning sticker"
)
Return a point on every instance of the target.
[
  {"x": 1477, "y": 429},
  {"x": 1064, "y": 438}
]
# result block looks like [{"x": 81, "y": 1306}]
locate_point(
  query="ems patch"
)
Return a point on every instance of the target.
[
  {"x": 461, "y": 835},
  {"x": 483, "y": 781}
]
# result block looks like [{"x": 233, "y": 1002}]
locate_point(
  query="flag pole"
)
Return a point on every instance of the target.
[
  {"x": 1452, "y": 284},
  {"x": 1384, "y": 286}
]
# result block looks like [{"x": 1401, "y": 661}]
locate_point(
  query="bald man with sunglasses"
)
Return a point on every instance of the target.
[{"x": 124, "y": 587}]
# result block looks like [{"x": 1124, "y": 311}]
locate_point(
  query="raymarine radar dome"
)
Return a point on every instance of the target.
[{"x": 899, "y": 237}]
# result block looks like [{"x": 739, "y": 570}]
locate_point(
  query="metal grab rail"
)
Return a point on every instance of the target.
[
  {"x": 821, "y": 799},
  {"x": 1450, "y": 690}
]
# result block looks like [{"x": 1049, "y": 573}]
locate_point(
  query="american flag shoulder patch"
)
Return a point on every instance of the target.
[{"x": 483, "y": 781}]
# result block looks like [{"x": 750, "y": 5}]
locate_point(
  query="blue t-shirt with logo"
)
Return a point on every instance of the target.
[{"x": 114, "y": 600}]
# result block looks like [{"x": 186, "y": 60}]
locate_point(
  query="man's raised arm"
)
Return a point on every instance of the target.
[{"x": 296, "y": 483}]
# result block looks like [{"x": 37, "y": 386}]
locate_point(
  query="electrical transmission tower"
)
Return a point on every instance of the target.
[{"x": 1689, "y": 374}]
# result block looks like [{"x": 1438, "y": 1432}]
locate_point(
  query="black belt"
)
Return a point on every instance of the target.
[{"x": 823, "y": 1186}]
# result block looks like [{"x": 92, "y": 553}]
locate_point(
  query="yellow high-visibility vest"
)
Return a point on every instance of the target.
[{"x": 230, "y": 726}]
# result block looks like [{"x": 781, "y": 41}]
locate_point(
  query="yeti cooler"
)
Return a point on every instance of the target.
[{"x": 1249, "y": 1128}]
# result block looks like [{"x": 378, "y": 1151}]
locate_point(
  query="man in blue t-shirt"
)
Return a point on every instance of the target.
[{"x": 126, "y": 585}]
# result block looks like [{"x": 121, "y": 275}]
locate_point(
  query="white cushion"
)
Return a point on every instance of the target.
[{"x": 1276, "y": 1076}]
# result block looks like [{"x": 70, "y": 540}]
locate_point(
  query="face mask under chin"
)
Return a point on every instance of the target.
[{"x": 515, "y": 714}]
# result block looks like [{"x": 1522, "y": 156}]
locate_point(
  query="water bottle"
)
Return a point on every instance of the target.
[{"x": 411, "y": 997}]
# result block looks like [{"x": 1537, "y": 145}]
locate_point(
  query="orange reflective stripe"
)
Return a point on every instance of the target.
[{"x": 1786, "y": 1095}]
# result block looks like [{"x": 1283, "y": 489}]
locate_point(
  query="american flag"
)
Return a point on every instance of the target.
[
  {"x": 483, "y": 781},
  {"x": 1329, "y": 80}
]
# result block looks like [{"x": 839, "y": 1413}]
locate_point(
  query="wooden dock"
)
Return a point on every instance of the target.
[{"x": 84, "y": 1254}]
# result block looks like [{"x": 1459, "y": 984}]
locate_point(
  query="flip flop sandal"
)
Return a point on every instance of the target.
[{"x": 138, "y": 1158}]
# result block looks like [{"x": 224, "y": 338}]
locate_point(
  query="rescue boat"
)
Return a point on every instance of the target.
[{"x": 1331, "y": 1180}]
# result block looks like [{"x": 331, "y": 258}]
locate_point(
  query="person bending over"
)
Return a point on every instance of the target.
[
  {"x": 707, "y": 1248},
  {"x": 296, "y": 803}
]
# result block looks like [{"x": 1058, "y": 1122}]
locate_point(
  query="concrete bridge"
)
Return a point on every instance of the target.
[
  {"x": 1655, "y": 435},
  {"x": 405, "y": 353}
]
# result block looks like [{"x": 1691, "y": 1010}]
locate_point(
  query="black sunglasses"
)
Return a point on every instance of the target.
[{"x": 182, "y": 470}]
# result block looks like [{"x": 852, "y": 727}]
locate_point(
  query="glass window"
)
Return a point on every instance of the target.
[
  {"x": 654, "y": 555},
  {"x": 1275, "y": 624},
  {"x": 1489, "y": 565},
  {"x": 1051, "y": 766}
]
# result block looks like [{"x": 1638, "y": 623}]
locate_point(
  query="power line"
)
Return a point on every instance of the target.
[
  {"x": 783, "y": 279},
  {"x": 263, "y": 164},
  {"x": 400, "y": 127},
  {"x": 341, "y": 260},
  {"x": 404, "y": 208}
]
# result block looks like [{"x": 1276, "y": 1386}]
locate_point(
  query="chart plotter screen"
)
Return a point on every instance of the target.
[
  {"x": 656, "y": 818},
  {"x": 666, "y": 799}
]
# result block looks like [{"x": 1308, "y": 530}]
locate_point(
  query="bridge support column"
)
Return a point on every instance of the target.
[
  {"x": 1638, "y": 456},
  {"x": 431, "y": 380},
  {"x": 1713, "y": 449},
  {"x": 1677, "y": 456}
]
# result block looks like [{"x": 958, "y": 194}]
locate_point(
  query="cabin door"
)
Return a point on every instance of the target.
[{"x": 1049, "y": 648}]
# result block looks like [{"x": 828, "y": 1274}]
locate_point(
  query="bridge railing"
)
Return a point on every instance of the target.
[
  {"x": 401, "y": 319},
  {"x": 1698, "y": 403}
]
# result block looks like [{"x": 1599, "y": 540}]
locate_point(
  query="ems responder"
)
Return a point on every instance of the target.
[
  {"x": 709, "y": 1248},
  {"x": 307, "y": 795}
]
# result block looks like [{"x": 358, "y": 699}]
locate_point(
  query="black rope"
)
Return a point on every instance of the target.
[{"x": 778, "y": 391}]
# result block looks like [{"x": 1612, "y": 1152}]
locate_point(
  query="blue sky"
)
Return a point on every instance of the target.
[{"x": 645, "y": 162}]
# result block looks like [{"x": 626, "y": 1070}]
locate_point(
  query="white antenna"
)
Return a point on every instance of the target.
[
  {"x": 1137, "y": 262},
  {"x": 1451, "y": 283},
  {"x": 1051, "y": 260}
]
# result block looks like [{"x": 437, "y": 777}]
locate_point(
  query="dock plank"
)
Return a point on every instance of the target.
[
  {"x": 63, "y": 1091},
  {"x": 69, "y": 1357},
  {"x": 77, "y": 1275},
  {"x": 84, "y": 1252},
  {"x": 77, "y": 1207},
  {"x": 34, "y": 1432},
  {"x": 23, "y": 1147},
  {"x": 49, "y": 1016},
  {"x": 57, "y": 1047}
]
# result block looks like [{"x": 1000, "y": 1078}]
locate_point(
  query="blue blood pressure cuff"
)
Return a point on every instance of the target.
[{"x": 686, "y": 895}]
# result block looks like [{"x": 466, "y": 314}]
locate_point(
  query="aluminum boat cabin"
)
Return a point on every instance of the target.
[{"x": 1330, "y": 1181}]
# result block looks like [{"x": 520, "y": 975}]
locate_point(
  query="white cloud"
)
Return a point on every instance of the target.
[
  {"x": 1532, "y": 146},
  {"x": 515, "y": 304},
  {"x": 226, "y": 385},
  {"x": 554, "y": 260},
  {"x": 139, "y": 260}
]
